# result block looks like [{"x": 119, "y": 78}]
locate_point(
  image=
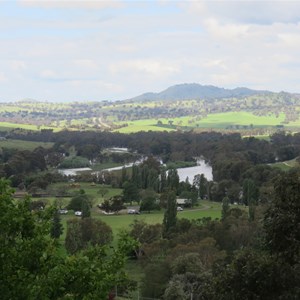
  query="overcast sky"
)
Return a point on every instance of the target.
[{"x": 109, "y": 50}]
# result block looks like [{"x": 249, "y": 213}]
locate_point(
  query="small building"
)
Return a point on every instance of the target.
[{"x": 182, "y": 201}]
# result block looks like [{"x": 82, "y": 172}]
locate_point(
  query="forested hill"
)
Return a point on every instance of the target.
[{"x": 188, "y": 91}]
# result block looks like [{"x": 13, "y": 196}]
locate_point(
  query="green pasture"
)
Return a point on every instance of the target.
[
  {"x": 23, "y": 145},
  {"x": 141, "y": 125},
  {"x": 23, "y": 126},
  {"x": 90, "y": 189},
  {"x": 286, "y": 165},
  {"x": 223, "y": 120},
  {"x": 217, "y": 121},
  {"x": 123, "y": 220}
]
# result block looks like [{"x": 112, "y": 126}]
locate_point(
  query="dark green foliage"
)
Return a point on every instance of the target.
[
  {"x": 113, "y": 204},
  {"x": 191, "y": 198},
  {"x": 173, "y": 180},
  {"x": 130, "y": 192},
  {"x": 56, "y": 226},
  {"x": 117, "y": 203},
  {"x": 85, "y": 208},
  {"x": 200, "y": 182},
  {"x": 252, "y": 209},
  {"x": 169, "y": 221},
  {"x": 145, "y": 233},
  {"x": 282, "y": 219},
  {"x": 37, "y": 205},
  {"x": 81, "y": 201},
  {"x": 149, "y": 201},
  {"x": 89, "y": 151},
  {"x": 190, "y": 262},
  {"x": 84, "y": 232},
  {"x": 155, "y": 280},
  {"x": 254, "y": 275},
  {"x": 225, "y": 207},
  {"x": 250, "y": 192},
  {"x": 32, "y": 266},
  {"x": 74, "y": 162}
]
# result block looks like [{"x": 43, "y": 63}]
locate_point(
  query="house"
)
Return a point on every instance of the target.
[{"x": 182, "y": 201}]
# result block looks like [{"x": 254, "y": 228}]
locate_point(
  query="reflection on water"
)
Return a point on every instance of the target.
[
  {"x": 201, "y": 168},
  {"x": 73, "y": 172}
]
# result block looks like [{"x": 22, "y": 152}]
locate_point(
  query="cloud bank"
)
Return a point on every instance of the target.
[{"x": 108, "y": 50}]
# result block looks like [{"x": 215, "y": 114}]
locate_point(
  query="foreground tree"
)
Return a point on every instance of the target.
[
  {"x": 254, "y": 275},
  {"x": 282, "y": 220},
  {"x": 32, "y": 266}
]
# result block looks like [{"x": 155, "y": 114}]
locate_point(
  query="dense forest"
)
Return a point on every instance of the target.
[{"x": 251, "y": 252}]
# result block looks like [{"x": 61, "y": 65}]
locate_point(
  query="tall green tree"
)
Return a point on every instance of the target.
[
  {"x": 200, "y": 182},
  {"x": 225, "y": 207},
  {"x": 130, "y": 192},
  {"x": 85, "y": 208},
  {"x": 250, "y": 191},
  {"x": 169, "y": 221},
  {"x": 173, "y": 179},
  {"x": 56, "y": 226}
]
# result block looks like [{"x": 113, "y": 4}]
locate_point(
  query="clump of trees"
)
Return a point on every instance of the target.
[
  {"x": 82, "y": 233},
  {"x": 244, "y": 255}
]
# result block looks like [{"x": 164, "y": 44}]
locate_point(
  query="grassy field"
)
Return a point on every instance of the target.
[
  {"x": 23, "y": 145},
  {"x": 141, "y": 125},
  {"x": 8, "y": 125},
  {"x": 123, "y": 220},
  {"x": 286, "y": 165},
  {"x": 216, "y": 121},
  {"x": 212, "y": 121},
  {"x": 90, "y": 189},
  {"x": 222, "y": 120}
]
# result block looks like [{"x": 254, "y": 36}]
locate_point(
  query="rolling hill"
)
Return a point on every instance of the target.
[{"x": 195, "y": 91}]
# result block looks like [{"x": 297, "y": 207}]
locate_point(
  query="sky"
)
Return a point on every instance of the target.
[{"x": 114, "y": 50}]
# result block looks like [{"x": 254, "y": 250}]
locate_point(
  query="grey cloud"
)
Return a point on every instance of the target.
[{"x": 250, "y": 12}]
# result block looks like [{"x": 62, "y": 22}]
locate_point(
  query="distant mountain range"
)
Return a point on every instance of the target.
[{"x": 188, "y": 91}]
